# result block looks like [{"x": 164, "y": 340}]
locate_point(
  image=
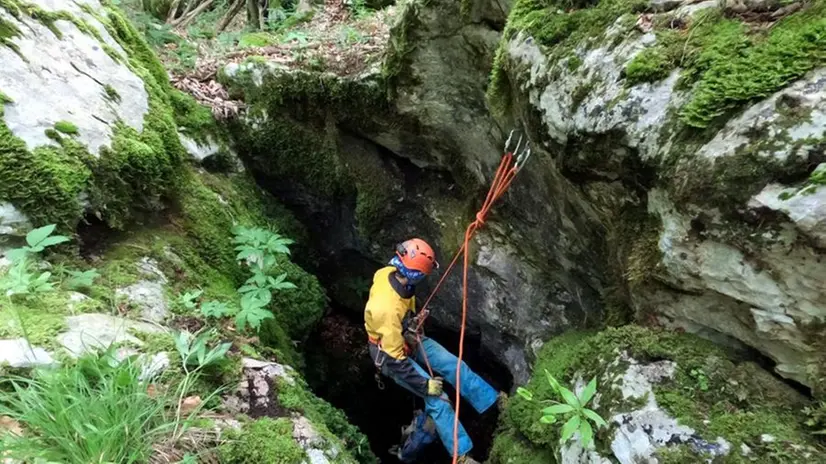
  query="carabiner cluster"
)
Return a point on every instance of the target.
[{"x": 521, "y": 156}]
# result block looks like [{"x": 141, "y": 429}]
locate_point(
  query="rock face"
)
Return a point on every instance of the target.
[
  {"x": 365, "y": 172},
  {"x": 67, "y": 74},
  {"x": 724, "y": 182}
]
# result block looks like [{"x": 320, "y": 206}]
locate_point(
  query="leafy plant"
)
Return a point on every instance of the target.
[
  {"x": 21, "y": 278},
  {"x": 81, "y": 279},
  {"x": 259, "y": 247},
  {"x": 253, "y": 311},
  {"x": 37, "y": 240},
  {"x": 217, "y": 309},
  {"x": 188, "y": 299},
  {"x": 700, "y": 377},
  {"x": 193, "y": 350},
  {"x": 816, "y": 417},
  {"x": 349, "y": 36},
  {"x": 578, "y": 417}
]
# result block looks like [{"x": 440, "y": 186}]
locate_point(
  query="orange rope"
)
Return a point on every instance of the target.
[{"x": 502, "y": 180}]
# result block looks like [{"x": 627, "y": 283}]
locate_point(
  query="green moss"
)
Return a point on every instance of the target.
[
  {"x": 557, "y": 25},
  {"x": 300, "y": 309},
  {"x": 8, "y": 31},
  {"x": 574, "y": 63},
  {"x": 718, "y": 397},
  {"x": 731, "y": 64},
  {"x": 581, "y": 93},
  {"x": 195, "y": 120},
  {"x": 650, "y": 65},
  {"x": 43, "y": 317},
  {"x": 330, "y": 420},
  {"x": 257, "y": 39},
  {"x": 263, "y": 440},
  {"x": 111, "y": 93},
  {"x": 66, "y": 127},
  {"x": 4, "y": 100},
  {"x": 285, "y": 149},
  {"x": 734, "y": 73},
  {"x": 45, "y": 183}
]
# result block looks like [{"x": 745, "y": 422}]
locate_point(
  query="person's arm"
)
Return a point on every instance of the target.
[{"x": 392, "y": 343}]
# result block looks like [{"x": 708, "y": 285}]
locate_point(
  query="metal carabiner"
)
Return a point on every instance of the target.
[
  {"x": 508, "y": 142},
  {"x": 522, "y": 158}
]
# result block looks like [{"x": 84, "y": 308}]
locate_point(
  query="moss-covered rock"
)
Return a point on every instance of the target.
[
  {"x": 84, "y": 165},
  {"x": 264, "y": 440},
  {"x": 666, "y": 384}
]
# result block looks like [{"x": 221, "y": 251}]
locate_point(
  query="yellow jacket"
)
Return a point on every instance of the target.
[{"x": 385, "y": 311}]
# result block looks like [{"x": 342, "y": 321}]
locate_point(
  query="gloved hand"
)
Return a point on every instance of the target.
[{"x": 434, "y": 386}]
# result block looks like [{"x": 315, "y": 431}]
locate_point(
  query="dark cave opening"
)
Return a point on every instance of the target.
[{"x": 339, "y": 369}]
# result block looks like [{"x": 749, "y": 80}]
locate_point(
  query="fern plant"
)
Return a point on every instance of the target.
[{"x": 578, "y": 417}]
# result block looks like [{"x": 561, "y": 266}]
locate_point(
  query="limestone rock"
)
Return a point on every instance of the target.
[
  {"x": 12, "y": 221},
  {"x": 148, "y": 295},
  {"x": 318, "y": 449},
  {"x": 57, "y": 79},
  {"x": 87, "y": 332},
  {"x": 154, "y": 366},
  {"x": 149, "y": 298},
  {"x": 254, "y": 395},
  {"x": 19, "y": 353}
]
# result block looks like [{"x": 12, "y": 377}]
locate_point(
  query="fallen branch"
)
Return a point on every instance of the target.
[
  {"x": 172, "y": 10},
  {"x": 186, "y": 21},
  {"x": 231, "y": 14}
]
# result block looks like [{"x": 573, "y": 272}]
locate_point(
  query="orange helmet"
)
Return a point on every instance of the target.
[{"x": 417, "y": 255}]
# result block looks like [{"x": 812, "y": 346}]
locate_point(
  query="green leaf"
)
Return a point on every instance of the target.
[
  {"x": 525, "y": 393},
  {"x": 552, "y": 380},
  {"x": 36, "y": 236},
  {"x": 569, "y": 397},
  {"x": 17, "y": 254},
  {"x": 84, "y": 279},
  {"x": 590, "y": 414},
  {"x": 547, "y": 419},
  {"x": 570, "y": 427},
  {"x": 588, "y": 392},
  {"x": 50, "y": 241},
  {"x": 586, "y": 433},
  {"x": 557, "y": 409}
]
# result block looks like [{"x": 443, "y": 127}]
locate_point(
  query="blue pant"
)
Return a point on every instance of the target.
[{"x": 474, "y": 389}]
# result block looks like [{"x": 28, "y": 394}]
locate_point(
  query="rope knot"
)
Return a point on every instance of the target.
[{"x": 480, "y": 218}]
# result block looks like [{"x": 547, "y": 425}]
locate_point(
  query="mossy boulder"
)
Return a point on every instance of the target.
[
  {"x": 666, "y": 396},
  {"x": 710, "y": 130},
  {"x": 89, "y": 123}
]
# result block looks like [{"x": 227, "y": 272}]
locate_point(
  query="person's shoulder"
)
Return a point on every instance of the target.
[{"x": 382, "y": 274}]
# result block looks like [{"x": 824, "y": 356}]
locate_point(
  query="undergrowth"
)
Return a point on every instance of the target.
[{"x": 96, "y": 410}]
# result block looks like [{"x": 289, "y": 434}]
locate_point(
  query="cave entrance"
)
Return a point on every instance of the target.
[{"x": 339, "y": 369}]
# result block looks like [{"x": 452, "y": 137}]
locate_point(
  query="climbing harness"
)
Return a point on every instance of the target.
[{"x": 505, "y": 174}]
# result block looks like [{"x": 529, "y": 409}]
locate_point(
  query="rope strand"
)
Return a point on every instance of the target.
[{"x": 505, "y": 174}]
